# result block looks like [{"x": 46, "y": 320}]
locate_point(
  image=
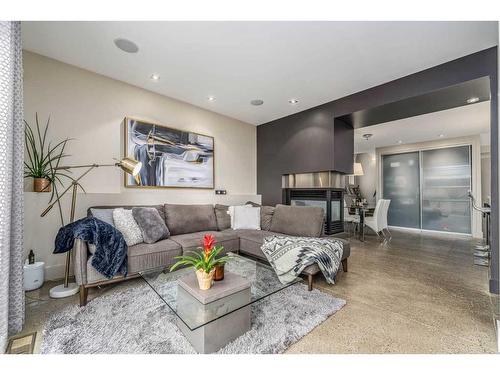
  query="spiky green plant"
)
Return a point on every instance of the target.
[{"x": 43, "y": 159}]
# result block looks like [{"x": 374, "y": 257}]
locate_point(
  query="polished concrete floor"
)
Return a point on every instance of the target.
[{"x": 416, "y": 294}]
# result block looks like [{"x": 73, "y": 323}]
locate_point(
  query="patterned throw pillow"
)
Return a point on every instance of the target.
[
  {"x": 152, "y": 226},
  {"x": 266, "y": 217},
  {"x": 125, "y": 223}
]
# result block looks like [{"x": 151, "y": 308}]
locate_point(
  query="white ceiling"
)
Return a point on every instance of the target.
[
  {"x": 463, "y": 121},
  {"x": 236, "y": 62}
]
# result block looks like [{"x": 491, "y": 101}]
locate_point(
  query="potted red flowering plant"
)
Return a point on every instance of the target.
[{"x": 203, "y": 261}]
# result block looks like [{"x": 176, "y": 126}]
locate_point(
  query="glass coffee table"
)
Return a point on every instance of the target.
[{"x": 211, "y": 319}]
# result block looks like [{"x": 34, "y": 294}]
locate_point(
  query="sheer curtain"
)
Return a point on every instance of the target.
[{"x": 11, "y": 182}]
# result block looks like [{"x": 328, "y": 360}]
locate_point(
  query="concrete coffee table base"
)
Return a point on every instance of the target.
[{"x": 211, "y": 305}]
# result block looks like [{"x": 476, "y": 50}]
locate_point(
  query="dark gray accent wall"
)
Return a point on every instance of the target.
[
  {"x": 305, "y": 141},
  {"x": 302, "y": 145},
  {"x": 343, "y": 146}
]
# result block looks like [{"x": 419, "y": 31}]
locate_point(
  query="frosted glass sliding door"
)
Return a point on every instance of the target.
[
  {"x": 428, "y": 189},
  {"x": 446, "y": 179},
  {"x": 401, "y": 184}
]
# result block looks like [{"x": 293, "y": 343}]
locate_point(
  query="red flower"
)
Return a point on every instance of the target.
[{"x": 208, "y": 243}]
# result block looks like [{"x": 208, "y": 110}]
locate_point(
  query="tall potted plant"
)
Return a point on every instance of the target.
[
  {"x": 42, "y": 158},
  {"x": 203, "y": 261}
]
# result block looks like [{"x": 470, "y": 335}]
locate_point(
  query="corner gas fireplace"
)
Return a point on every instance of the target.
[
  {"x": 330, "y": 199},
  {"x": 319, "y": 189}
]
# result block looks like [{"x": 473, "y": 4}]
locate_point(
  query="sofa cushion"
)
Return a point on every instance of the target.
[
  {"x": 142, "y": 257},
  {"x": 298, "y": 221},
  {"x": 192, "y": 241},
  {"x": 189, "y": 218},
  {"x": 222, "y": 216},
  {"x": 152, "y": 226},
  {"x": 251, "y": 241}
]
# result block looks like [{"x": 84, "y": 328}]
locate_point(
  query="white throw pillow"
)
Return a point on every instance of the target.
[
  {"x": 230, "y": 211},
  {"x": 246, "y": 217},
  {"x": 126, "y": 224}
]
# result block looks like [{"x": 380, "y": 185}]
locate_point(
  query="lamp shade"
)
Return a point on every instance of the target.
[
  {"x": 358, "y": 169},
  {"x": 130, "y": 166}
]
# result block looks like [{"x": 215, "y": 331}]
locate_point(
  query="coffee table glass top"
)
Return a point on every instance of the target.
[{"x": 263, "y": 283}]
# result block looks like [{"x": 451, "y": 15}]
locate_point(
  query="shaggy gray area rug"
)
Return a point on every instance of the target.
[{"x": 137, "y": 321}]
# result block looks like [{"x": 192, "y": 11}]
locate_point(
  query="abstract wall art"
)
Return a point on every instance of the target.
[{"x": 171, "y": 158}]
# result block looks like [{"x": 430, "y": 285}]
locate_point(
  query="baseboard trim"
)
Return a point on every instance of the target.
[{"x": 55, "y": 272}]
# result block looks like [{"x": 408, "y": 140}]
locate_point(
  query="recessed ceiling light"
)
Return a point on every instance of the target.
[
  {"x": 155, "y": 77},
  {"x": 400, "y": 141},
  {"x": 293, "y": 101},
  {"x": 126, "y": 45},
  {"x": 474, "y": 99},
  {"x": 211, "y": 98},
  {"x": 367, "y": 136},
  {"x": 257, "y": 102},
  {"x": 441, "y": 135}
]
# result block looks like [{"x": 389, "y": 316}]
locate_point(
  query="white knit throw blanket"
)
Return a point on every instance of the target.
[{"x": 290, "y": 255}]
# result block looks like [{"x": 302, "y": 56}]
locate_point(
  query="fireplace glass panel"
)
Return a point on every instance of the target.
[
  {"x": 336, "y": 210},
  {"x": 309, "y": 202}
]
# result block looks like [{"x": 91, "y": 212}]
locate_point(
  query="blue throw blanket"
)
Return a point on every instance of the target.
[{"x": 110, "y": 256}]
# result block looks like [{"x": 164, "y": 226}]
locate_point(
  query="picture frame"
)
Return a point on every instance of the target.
[{"x": 171, "y": 158}]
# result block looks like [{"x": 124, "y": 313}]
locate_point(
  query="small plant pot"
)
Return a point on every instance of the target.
[
  {"x": 42, "y": 185},
  {"x": 219, "y": 272},
  {"x": 205, "y": 280}
]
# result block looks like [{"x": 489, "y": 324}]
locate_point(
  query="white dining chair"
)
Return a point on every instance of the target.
[
  {"x": 378, "y": 222},
  {"x": 385, "y": 226}
]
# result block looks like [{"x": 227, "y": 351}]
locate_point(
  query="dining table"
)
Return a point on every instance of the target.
[{"x": 361, "y": 212}]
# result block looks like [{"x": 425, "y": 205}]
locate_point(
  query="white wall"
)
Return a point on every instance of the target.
[
  {"x": 485, "y": 174},
  {"x": 368, "y": 182},
  {"x": 90, "y": 108}
]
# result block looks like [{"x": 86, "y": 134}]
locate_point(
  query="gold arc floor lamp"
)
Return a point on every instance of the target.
[{"x": 128, "y": 165}]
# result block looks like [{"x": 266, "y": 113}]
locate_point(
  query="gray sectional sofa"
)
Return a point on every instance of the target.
[{"x": 187, "y": 225}]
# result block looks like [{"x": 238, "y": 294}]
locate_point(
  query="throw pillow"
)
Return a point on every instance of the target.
[
  {"x": 246, "y": 217},
  {"x": 266, "y": 215},
  {"x": 230, "y": 212},
  {"x": 103, "y": 214},
  {"x": 125, "y": 223},
  {"x": 152, "y": 226},
  {"x": 223, "y": 218}
]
